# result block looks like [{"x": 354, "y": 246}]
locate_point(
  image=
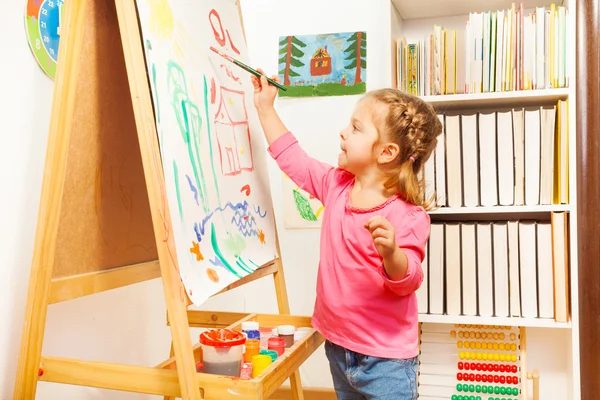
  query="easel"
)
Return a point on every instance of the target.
[{"x": 90, "y": 239}]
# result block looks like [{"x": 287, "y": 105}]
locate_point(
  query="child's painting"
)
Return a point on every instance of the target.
[
  {"x": 330, "y": 64},
  {"x": 212, "y": 146},
  {"x": 300, "y": 209}
]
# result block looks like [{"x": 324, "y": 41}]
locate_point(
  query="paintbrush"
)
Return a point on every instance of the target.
[{"x": 247, "y": 68}]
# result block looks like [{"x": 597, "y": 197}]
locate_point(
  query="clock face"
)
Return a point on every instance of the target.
[{"x": 42, "y": 22}]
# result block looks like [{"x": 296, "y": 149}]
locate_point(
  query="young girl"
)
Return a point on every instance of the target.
[{"x": 373, "y": 236}]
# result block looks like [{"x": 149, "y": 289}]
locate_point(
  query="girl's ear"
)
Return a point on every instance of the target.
[{"x": 388, "y": 153}]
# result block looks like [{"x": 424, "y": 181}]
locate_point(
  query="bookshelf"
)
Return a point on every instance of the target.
[{"x": 415, "y": 20}]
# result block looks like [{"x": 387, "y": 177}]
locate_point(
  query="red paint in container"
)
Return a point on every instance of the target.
[{"x": 277, "y": 344}]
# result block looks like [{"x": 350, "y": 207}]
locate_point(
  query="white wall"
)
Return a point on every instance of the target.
[{"x": 128, "y": 325}]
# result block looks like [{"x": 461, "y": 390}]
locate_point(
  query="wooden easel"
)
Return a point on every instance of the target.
[{"x": 104, "y": 223}]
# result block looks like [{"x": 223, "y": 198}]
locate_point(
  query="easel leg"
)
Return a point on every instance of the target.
[
  {"x": 50, "y": 204},
  {"x": 175, "y": 295},
  {"x": 284, "y": 308},
  {"x": 171, "y": 354}
]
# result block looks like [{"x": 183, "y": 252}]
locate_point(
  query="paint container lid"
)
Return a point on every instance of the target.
[
  {"x": 286, "y": 329},
  {"x": 250, "y": 326},
  {"x": 223, "y": 338},
  {"x": 270, "y": 353}
]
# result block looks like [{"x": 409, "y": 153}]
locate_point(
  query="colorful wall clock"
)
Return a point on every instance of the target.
[{"x": 42, "y": 22}]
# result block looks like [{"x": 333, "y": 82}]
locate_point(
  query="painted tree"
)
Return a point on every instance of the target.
[
  {"x": 290, "y": 54},
  {"x": 357, "y": 53}
]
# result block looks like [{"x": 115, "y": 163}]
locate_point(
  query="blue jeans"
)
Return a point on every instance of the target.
[{"x": 359, "y": 377}]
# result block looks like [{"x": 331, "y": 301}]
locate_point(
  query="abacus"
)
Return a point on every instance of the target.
[{"x": 473, "y": 362}]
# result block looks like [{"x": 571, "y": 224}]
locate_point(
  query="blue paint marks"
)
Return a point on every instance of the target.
[
  {"x": 257, "y": 210},
  {"x": 193, "y": 189},
  {"x": 217, "y": 262},
  {"x": 241, "y": 218}
]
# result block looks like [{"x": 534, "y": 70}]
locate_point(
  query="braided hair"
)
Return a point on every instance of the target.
[{"x": 414, "y": 126}]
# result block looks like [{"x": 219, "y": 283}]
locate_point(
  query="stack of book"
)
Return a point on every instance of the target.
[
  {"x": 497, "y": 269},
  {"x": 515, "y": 157},
  {"x": 498, "y": 51}
]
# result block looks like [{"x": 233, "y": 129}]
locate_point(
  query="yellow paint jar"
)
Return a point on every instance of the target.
[{"x": 260, "y": 362}]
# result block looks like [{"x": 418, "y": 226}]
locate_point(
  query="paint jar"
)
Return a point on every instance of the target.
[
  {"x": 250, "y": 329},
  {"x": 301, "y": 333},
  {"x": 270, "y": 353},
  {"x": 265, "y": 334},
  {"x": 246, "y": 372},
  {"x": 252, "y": 349},
  {"x": 287, "y": 332},
  {"x": 277, "y": 344},
  {"x": 222, "y": 351},
  {"x": 260, "y": 362}
]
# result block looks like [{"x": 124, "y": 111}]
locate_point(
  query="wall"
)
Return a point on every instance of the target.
[{"x": 128, "y": 325}]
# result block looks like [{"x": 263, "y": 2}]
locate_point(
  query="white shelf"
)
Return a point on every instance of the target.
[
  {"x": 526, "y": 322},
  {"x": 496, "y": 99},
  {"x": 501, "y": 210}
]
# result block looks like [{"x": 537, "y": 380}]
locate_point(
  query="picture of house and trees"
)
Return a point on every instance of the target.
[{"x": 330, "y": 64}]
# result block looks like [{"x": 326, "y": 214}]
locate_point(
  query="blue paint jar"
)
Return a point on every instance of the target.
[{"x": 251, "y": 330}]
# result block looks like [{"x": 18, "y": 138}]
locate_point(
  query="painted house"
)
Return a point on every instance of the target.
[
  {"x": 320, "y": 63},
  {"x": 233, "y": 133}
]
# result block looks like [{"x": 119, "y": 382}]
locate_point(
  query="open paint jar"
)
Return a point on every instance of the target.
[{"x": 222, "y": 351}]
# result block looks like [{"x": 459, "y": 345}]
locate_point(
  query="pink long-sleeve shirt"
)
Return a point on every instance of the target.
[{"x": 357, "y": 305}]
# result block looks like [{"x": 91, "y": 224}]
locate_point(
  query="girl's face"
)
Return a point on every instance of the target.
[{"x": 359, "y": 143}]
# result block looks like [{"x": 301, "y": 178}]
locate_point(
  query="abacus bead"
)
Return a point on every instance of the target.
[
  {"x": 459, "y": 387},
  {"x": 502, "y": 379},
  {"x": 515, "y": 391},
  {"x": 459, "y": 376},
  {"x": 471, "y": 388},
  {"x": 460, "y": 365},
  {"x": 478, "y": 388}
]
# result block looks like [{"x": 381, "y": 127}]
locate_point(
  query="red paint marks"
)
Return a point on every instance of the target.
[
  {"x": 231, "y": 43},
  {"x": 220, "y": 32},
  {"x": 219, "y": 35},
  {"x": 246, "y": 188},
  {"x": 231, "y": 74},
  {"x": 40, "y": 372},
  {"x": 213, "y": 90},
  {"x": 246, "y": 218}
]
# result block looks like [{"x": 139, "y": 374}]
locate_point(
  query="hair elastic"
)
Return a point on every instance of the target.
[{"x": 412, "y": 158}]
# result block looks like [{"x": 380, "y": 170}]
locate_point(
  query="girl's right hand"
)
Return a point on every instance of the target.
[{"x": 264, "y": 92}]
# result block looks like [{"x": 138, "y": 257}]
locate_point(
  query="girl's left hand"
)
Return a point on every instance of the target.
[{"x": 383, "y": 234}]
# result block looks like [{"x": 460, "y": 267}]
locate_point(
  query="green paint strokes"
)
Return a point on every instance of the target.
[
  {"x": 196, "y": 164},
  {"x": 243, "y": 266},
  {"x": 212, "y": 161},
  {"x": 215, "y": 246},
  {"x": 177, "y": 191},
  {"x": 189, "y": 121},
  {"x": 155, "y": 94},
  {"x": 303, "y": 206},
  {"x": 253, "y": 263},
  {"x": 234, "y": 244}
]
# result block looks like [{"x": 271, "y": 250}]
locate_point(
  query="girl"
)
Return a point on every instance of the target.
[{"x": 373, "y": 236}]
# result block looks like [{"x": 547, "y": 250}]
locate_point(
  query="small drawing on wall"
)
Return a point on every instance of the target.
[
  {"x": 300, "y": 209},
  {"x": 330, "y": 64}
]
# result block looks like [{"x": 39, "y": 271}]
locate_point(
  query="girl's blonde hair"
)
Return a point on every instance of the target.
[{"x": 414, "y": 126}]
